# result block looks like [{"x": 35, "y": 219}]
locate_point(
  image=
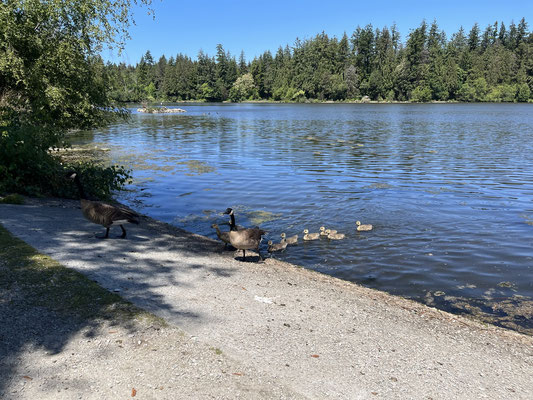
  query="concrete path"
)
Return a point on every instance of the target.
[{"x": 318, "y": 336}]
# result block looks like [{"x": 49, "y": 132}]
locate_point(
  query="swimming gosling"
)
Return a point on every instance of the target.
[
  {"x": 310, "y": 236},
  {"x": 102, "y": 213},
  {"x": 276, "y": 247},
  {"x": 323, "y": 231},
  {"x": 363, "y": 227},
  {"x": 334, "y": 235},
  {"x": 290, "y": 239}
]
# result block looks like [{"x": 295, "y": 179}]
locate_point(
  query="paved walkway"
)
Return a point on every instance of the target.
[{"x": 317, "y": 336}]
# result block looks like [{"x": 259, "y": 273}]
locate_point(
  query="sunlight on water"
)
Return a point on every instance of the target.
[{"x": 448, "y": 188}]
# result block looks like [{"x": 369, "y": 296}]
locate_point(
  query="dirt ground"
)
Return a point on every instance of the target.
[{"x": 237, "y": 329}]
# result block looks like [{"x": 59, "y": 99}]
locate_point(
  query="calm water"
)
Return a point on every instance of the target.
[{"x": 448, "y": 188}]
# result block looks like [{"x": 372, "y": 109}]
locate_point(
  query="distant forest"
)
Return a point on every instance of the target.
[{"x": 494, "y": 64}]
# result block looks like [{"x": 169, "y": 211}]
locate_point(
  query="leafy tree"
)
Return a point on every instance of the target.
[
  {"x": 243, "y": 89},
  {"x": 52, "y": 80}
]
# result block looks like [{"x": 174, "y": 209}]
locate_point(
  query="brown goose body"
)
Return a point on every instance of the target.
[
  {"x": 104, "y": 214},
  {"x": 247, "y": 239}
]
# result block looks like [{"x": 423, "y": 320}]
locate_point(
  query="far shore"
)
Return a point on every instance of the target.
[{"x": 158, "y": 103}]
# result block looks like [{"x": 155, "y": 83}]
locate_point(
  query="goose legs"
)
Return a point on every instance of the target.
[
  {"x": 105, "y": 236},
  {"x": 123, "y": 232}
]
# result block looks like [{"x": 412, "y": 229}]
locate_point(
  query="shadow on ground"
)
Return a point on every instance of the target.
[{"x": 43, "y": 304}]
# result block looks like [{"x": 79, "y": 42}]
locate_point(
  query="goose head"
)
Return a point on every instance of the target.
[
  {"x": 229, "y": 211},
  {"x": 283, "y": 236},
  {"x": 306, "y": 231}
]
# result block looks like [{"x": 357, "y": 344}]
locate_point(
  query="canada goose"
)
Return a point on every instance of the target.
[
  {"x": 290, "y": 239},
  {"x": 224, "y": 236},
  {"x": 365, "y": 227},
  {"x": 102, "y": 213},
  {"x": 232, "y": 224},
  {"x": 334, "y": 235},
  {"x": 310, "y": 236},
  {"x": 323, "y": 231},
  {"x": 246, "y": 239},
  {"x": 276, "y": 247}
]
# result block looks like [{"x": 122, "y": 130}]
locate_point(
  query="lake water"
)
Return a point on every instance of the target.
[{"x": 447, "y": 187}]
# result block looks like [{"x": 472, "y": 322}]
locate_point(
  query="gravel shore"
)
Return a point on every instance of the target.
[{"x": 237, "y": 329}]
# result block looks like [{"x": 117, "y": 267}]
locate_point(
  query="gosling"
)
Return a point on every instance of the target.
[
  {"x": 363, "y": 227},
  {"x": 334, "y": 235},
  {"x": 276, "y": 247},
  {"x": 224, "y": 236},
  {"x": 323, "y": 231},
  {"x": 310, "y": 236},
  {"x": 290, "y": 239}
]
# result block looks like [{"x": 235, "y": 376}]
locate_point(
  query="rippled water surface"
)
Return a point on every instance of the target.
[{"x": 448, "y": 188}]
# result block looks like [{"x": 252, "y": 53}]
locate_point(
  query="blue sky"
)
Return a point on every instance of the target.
[{"x": 188, "y": 26}]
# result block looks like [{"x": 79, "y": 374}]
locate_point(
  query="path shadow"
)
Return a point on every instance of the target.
[{"x": 141, "y": 268}]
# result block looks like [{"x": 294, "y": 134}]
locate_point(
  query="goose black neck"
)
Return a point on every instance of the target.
[
  {"x": 232, "y": 225},
  {"x": 80, "y": 188}
]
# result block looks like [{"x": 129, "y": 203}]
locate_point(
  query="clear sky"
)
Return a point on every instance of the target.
[{"x": 253, "y": 26}]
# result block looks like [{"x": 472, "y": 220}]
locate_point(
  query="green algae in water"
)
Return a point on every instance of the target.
[
  {"x": 260, "y": 217},
  {"x": 528, "y": 219},
  {"x": 196, "y": 167}
]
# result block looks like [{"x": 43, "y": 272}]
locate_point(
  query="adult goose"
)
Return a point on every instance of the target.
[
  {"x": 246, "y": 239},
  {"x": 232, "y": 224},
  {"x": 102, "y": 213}
]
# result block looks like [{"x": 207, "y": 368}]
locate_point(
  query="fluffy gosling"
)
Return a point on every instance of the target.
[
  {"x": 334, "y": 235},
  {"x": 310, "y": 236},
  {"x": 363, "y": 227},
  {"x": 276, "y": 247},
  {"x": 290, "y": 239}
]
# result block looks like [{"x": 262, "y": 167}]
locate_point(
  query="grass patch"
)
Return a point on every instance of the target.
[{"x": 28, "y": 278}]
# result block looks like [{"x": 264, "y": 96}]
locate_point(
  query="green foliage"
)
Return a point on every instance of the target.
[
  {"x": 52, "y": 80},
  {"x": 243, "y": 89},
  {"x": 502, "y": 93},
  {"x": 471, "y": 66},
  {"x": 12, "y": 198},
  {"x": 421, "y": 94},
  {"x": 98, "y": 182},
  {"x": 523, "y": 92}
]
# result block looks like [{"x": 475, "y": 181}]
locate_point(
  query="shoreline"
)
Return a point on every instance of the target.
[
  {"x": 315, "y": 335},
  {"x": 314, "y": 101}
]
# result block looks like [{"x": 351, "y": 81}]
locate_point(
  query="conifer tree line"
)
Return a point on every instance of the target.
[{"x": 494, "y": 64}]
